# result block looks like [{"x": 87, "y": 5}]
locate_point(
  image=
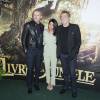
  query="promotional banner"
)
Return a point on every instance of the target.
[{"x": 15, "y": 13}]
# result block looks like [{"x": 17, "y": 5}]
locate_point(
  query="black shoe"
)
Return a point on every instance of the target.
[
  {"x": 29, "y": 91},
  {"x": 37, "y": 87},
  {"x": 62, "y": 91},
  {"x": 74, "y": 94}
]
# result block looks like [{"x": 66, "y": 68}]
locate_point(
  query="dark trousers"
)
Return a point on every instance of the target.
[
  {"x": 34, "y": 60},
  {"x": 69, "y": 71}
]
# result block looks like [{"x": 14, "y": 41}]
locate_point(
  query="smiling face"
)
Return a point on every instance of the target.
[
  {"x": 65, "y": 18},
  {"x": 37, "y": 16},
  {"x": 51, "y": 26}
]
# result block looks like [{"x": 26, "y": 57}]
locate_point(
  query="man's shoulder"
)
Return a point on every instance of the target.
[
  {"x": 74, "y": 25},
  {"x": 41, "y": 24},
  {"x": 32, "y": 23},
  {"x": 27, "y": 24},
  {"x": 59, "y": 26}
]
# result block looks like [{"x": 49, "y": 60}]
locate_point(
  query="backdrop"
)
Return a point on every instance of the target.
[{"x": 14, "y": 13}]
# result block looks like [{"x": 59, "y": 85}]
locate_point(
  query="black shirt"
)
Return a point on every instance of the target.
[
  {"x": 38, "y": 28},
  {"x": 63, "y": 40},
  {"x": 39, "y": 34}
]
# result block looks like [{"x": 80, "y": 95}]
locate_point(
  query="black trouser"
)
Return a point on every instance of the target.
[
  {"x": 69, "y": 71},
  {"x": 34, "y": 60}
]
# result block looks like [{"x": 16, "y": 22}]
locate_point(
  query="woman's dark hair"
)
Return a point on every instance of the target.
[{"x": 55, "y": 25}]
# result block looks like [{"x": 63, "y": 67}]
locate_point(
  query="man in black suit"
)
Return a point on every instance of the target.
[
  {"x": 32, "y": 42},
  {"x": 68, "y": 44}
]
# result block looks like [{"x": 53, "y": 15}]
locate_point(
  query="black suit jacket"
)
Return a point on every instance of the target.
[{"x": 74, "y": 40}]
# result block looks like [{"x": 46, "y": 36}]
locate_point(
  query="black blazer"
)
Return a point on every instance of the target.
[{"x": 74, "y": 40}]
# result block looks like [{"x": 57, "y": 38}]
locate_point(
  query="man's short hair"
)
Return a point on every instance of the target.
[
  {"x": 65, "y": 12},
  {"x": 38, "y": 10}
]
